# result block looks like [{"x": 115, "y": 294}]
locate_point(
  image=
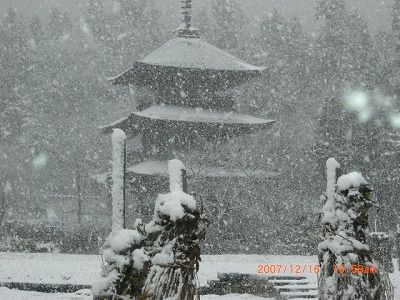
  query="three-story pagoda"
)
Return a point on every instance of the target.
[{"x": 189, "y": 78}]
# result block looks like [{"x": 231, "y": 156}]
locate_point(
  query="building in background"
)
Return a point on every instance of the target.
[{"x": 190, "y": 108}]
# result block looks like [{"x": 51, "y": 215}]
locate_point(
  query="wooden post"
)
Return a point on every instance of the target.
[
  {"x": 184, "y": 181},
  {"x": 2, "y": 202},
  {"x": 124, "y": 187},
  {"x": 177, "y": 176},
  {"x": 398, "y": 245},
  {"x": 332, "y": 175},
  {"x": 118, "y": 178},
  {"x": 79, "y": 190}
]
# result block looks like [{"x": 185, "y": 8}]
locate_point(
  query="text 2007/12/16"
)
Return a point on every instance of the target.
[{"x": 288, "y": 268}]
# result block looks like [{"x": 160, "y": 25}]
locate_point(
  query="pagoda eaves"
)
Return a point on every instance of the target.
[
  {"x": 192, "y": 60},
  {"x": 181, "y": 119},
  {"x": 159, "y": 169}
]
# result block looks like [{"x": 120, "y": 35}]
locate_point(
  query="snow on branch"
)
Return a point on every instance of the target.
[{"x": 351, "y": 180}]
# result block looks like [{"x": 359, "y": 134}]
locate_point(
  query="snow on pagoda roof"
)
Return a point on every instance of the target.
[
  {"x": 190, "y": 114},
  {"x": 160, "y": 168},
  {"x": 195, "y": 53},
  {"x": 181, "y": 117}
]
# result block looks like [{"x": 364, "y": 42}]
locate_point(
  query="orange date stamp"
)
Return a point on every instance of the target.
[
  {"x": 288, "y": 268},
  {"x": 303, "y": 269}
]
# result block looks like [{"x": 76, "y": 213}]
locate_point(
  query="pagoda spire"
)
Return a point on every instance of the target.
[{"x": 186, "y": 29}]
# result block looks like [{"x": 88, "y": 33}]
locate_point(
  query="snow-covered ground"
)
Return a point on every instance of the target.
[
  {"x": 84, "y": 269},
  {"x": 7, "y": 294}
]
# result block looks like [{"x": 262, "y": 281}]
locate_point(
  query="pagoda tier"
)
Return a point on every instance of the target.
[
  {"x": 148, "y": 175},
  {"x": 189, "y": 71},
  {"x": 188, "y": 119},
  {"x": 171, "y": 128},
  {"x": 188, "y": 62},
  {"x": 160, "y": 169}
]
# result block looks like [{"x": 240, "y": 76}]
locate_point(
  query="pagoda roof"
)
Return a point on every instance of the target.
[
  {"x": 194, "y": 57},
  {"x": 156, "y": 168},
  {"x": 163, "y": 115},
  {"x": 195, "y": 53},
  {"x": 160, "y": 168},
  {"x": 190, "y": 114}
]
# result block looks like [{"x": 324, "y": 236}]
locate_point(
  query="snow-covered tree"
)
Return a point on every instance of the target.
[
  {"x": 96, "y": 19},
  {"x": 128, "y": 31},
  {"x": 51, "y": 85},
  {"x": 36, "y": 29},
  {"x": 348, "y": 269},
  {"x": 16, "y": 116},
  {"x": 396, "y": 20},
  {"x": 382, "y": 54},
  {"x": 202, "y": 20},
  {"x": 333, "y": 132},
  {"x": 159, "y": 260},
  {"x": 124, "y": 267},
  {"x": 229, "y": 20},
  {"x": 366, "y": 145},
  {"x": 350, "y": 129},
  {"x": 59, "y": 24},
  {"x": 393, "y": 61},
  {"x": 283, "y": 48},
  {"x": 342, "y": 48},
  {"x": 274, "y": 33},
  {"x": 360, "y": 51},
  {"x": 15, "y": 62},
  {"x": 330, "y": 9},
  {"x": 175, "y": 252}
]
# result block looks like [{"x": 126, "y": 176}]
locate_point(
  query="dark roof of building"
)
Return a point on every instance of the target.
[
  {"x": 185, "y": 117},
  {"x": 192, "y": 55}
]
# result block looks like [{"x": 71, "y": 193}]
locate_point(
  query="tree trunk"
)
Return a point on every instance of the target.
[
  {"x": 2, "y": 205},
  {"x": 79, "y": 191}
]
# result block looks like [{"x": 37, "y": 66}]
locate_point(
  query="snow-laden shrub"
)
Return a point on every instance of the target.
[
  {"x": 125, "y": 259},
  {"x": 124, "y": 266},
  {"x": 159, "y": 260},
  {"x": 175, "y": 252},
  {"x": 348, "y": 270}
]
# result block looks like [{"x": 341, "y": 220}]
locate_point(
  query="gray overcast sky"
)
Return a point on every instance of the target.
[{"x": 375, "y": 12}]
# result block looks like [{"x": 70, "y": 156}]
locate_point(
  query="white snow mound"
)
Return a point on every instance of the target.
[
  {"x": 124, "y": 239},
  {"x": 351, "y": 180},
  {"x": 172, "y": 205}
]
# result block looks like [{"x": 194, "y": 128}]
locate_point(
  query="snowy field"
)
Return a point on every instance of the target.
[
  {"x": 7, "y": 294},
  {"x": 84, "y": 269}
]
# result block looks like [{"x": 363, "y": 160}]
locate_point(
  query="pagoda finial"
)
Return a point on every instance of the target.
[{"x": 186, "y": 29}]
